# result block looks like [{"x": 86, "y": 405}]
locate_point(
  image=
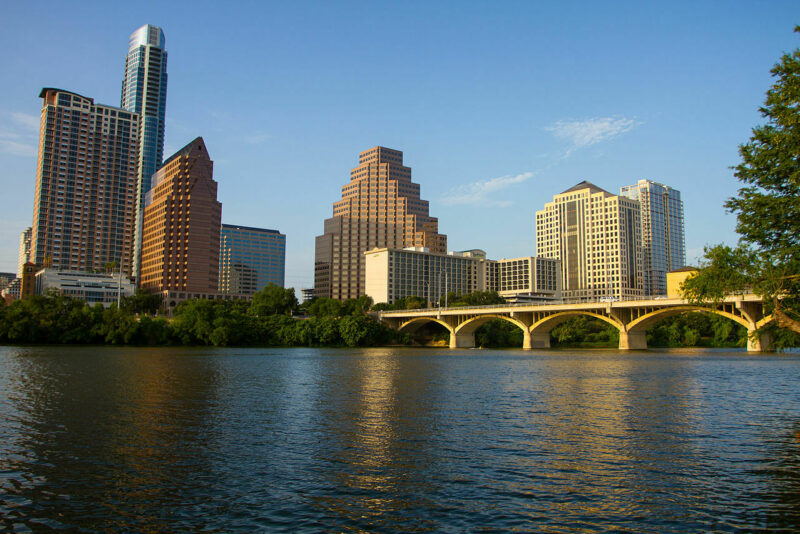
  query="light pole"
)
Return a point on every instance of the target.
[{"x": 119, "y": 284}]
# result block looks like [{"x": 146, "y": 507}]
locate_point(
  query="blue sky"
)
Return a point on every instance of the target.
[{"x": 497, "y": 105}]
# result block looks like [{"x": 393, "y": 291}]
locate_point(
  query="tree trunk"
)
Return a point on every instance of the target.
[{"x": 784, "y": 321}]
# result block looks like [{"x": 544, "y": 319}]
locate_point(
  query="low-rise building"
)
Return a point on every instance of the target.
[
  {"x": 393, "y": 274},
  {"x": 102, "y": 288}
]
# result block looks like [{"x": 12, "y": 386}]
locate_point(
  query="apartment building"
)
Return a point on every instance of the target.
[
  {"x": 83, "y": 215},
  {"x": 662, "y": 236}
]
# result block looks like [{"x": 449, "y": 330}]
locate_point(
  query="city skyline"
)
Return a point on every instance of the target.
[{"x": 493, "y": 109}]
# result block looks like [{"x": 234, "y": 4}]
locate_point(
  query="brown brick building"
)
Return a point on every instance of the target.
[
  {"x": 181, "y": 224},
  {"x": 83, "y": 213},
  {"x": 380, "y": 208}
]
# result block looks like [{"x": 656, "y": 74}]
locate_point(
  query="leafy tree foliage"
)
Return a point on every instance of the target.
[
  {"x": 142, "y": 302},
  {"x": 767, "y": 207},
  {"x": 60, "y": 319},
  {"x": 273, "y": 300}
]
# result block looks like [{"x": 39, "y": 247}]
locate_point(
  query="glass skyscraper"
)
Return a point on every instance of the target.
[
  {"x": 250, "y": 259},
  {"x": 144, "y": 91},
  {"x": 663, "y": 241}
]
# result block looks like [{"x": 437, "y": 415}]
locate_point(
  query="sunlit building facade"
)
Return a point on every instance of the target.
[
  {"x": 393, "y": 274},
  {"x": 380, "y": 207},
  {"x": 250, "y": 259},
  {"x": 597, "y": 237},
  {"x": 83, "y": 215},
  {"x": 182, "y": 218},
  {"x": 663, "y": 239}
]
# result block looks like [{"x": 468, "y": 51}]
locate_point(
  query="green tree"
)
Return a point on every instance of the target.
[
  {"x": 767, "y": 258},
  {"x": 141, "y": 302},
  {"x": 273, "y": 300}
]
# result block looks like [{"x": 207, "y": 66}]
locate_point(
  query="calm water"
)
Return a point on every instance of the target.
[{"x": 200, "y": 440}]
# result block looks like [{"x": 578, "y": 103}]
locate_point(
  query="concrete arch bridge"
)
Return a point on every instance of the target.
[{"x": 632, "y": 318}]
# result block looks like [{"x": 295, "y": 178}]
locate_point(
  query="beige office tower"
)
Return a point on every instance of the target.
[
  {"x": 181, "y": 224},
  {"x": 596, "y": 235},
  {"x": 380, "y": 208},
  {"x": 83, "y": 213}
]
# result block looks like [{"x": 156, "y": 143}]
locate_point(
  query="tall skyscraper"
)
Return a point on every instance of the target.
[
  {"x": 181, "y": 224},
  {"x": 144, "y": 91},
  {"x": 380, "y": 207},
  {"x": 596, "y": 235},
  {"x": 663, "y": 240},
  {"x": 250, "y": 259},
  {"x": 83, "y": 212}
]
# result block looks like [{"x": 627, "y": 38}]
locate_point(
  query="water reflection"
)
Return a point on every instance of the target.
[
  {"x": 249, "y": 440},
  {"x": 114, "y": 435}
]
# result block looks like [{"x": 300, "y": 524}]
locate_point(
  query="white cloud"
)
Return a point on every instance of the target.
[
  {"x": 30, "y": 123},
  {"x": 592, "y": 131},
  {"x": 478, "y": 192},
  {"x": 20, "y": 133},
  {"x": 257, "y": 138},
  {"x": 17, "y": 149}
]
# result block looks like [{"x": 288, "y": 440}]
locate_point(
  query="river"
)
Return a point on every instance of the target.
[{"x": 393, "y": 439}]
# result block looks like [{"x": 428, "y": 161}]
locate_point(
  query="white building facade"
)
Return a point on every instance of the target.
[{"x": 597, "y": 237}]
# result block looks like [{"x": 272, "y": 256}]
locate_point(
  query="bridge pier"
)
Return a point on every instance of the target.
[
  {"x": 759, "y": 342},
  {"x": 636, "y": 340},
  {"x": 462, "y": 341},
  {"x": 526, "y": 339},
  {"x": 540, "y": 340}
]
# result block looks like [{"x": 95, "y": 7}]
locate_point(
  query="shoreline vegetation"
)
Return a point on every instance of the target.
[{"x": 271, "y": 320}]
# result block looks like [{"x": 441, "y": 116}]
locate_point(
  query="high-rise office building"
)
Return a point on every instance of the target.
[
  {"x": 182, "y": 217},
  {"x": 83, "y": 213},
  {"x": 663, "y": 240},
  {"x": 24, "y": 249},
  {"x": 380, "y": 207},
  {"x": 250, "y": 259},
  {"x": 596, "y": 235},
  {"x": 144, "y": 91}
]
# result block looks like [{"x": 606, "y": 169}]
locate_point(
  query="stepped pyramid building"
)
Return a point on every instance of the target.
[{"x": 380, "y": 208}]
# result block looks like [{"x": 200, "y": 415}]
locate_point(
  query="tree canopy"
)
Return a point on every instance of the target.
[{"x": 767, "y": 207}]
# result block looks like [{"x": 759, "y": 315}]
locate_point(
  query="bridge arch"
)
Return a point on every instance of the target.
[
  {"x": 412, "y": 325},
  {"x": 540, "y": 329},
  {"x": 647, "y": 320},
  {"x": 465, "y": 332}
]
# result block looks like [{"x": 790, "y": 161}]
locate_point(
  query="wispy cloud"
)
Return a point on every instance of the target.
[
  {"x": 19, "y": 134},
  {"x": 478, "y": 192},
  {"x": 257, "y": 138},
  {"x": 26, "y": 121},
  {"x": 591, "y": 131},
  {"x": 17, "y": 149}
]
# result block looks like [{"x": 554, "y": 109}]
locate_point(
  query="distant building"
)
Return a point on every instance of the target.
[
  {"x": 6, "y": 279},
  {"x": 663, "y": 240},
  {"x": 94, "y": 288},
  {"x": 144, "y": 91},
  {"x": 380, "y": 207},
  {"x": 24, "y": 249},
  {"x": 596, "y": 235},
  {"x": 27, "y": 286},
  {"x": 393, "y": 274},
  {"x": 306, "y": 294},
  {"x": 250, "y": 259},
  {"x": 180, "y": 246},
  {"x": 83, "y": 211}
]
